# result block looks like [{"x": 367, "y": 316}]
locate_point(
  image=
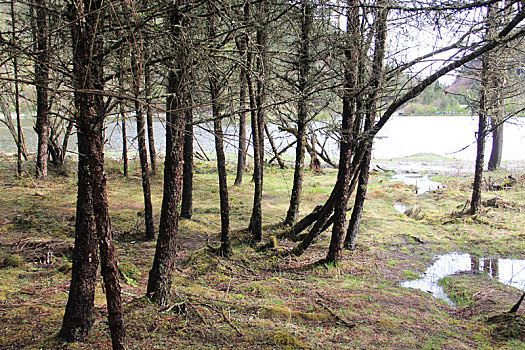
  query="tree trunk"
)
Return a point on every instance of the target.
[
  {"x": 41, "y": 83},
  {"x": 371, "y": 111},
  {"x": 497, "y": 144},
  {"x": 303, "y": 67},
  {"x": 160, "y": 275},
  {"x": 124, "y": 141},
  {"x": 475, "y": 202},
  {"x": 258, "y": 124},
  {"x": 486, "y": 103},
  {"x": 341, "y": 190},
  {"x": 19, "y": 135},
  {"x": 149, "y": 111},
  {"x": 241, "y": 152},
  {"x": 92, "y": 199},
  {"x": 79, "y": 315},
  {"x": 219, "y": 146},
  {"x": 143, "y": 155},
  {"x": 186, "y": 210}
]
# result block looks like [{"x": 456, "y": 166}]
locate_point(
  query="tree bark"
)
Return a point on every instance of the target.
[
  {"x": 497, "y": 144},
  {"x": 371, "y": 111},
  {"x": 341, "y": 190},
  {"x": 80, "y": 310},
  {"x": 258, "y": 124},
  {"x": 303, "y": 67},
  {"x": 92, "y": 200},
  {"x": 42, "y": 85},
  {"x": 160, "y": 275},
  {"x": 241, "y": 152},
  {"x": 485, "y": 103},
  {"x": 186, "y": 210},
  {"x": 143, "y": 155}
]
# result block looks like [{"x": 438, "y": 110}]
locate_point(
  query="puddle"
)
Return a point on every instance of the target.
[
  {"x": 400, "y": 207},
  {"x": 421, "y": 182},
  {"x": 508, "y": 271}
]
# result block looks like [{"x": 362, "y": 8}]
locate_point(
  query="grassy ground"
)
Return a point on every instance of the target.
[{"x": 264, "y": 299}]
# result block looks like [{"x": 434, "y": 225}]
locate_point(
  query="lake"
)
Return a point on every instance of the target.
[{"x": 448, "y": 136}]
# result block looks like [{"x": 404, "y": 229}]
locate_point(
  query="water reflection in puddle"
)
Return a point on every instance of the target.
[
  {"x": 421, "y": 182},
  {"x": 508, "y": 271},
  {"x": 400, "y": 207}
]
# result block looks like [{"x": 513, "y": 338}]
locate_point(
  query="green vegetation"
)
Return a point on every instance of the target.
[{"x": 264, "y": 298}]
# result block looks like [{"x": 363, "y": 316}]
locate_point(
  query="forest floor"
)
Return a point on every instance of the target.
[{"x": 267, "y": 299}]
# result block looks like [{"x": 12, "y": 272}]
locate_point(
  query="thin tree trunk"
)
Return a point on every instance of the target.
[
  {"x": 124, "y": 141},
  {"x": 219, "y": 147},
  {"x": 186, "y": 210},
  {"x": 241, "y": 153},
  {"x": 149, "y": 112},
  {"x": 274, "y": 148},
  {"x": 160, "y": 275},
  {"x": 258, "y": 125},
  {"x": 143, "y": 152},
  {"x": 42, "y": 82},
  {"x": 475, "y": 202},
  {"x": 19, "y": 135},
  {"x": 303, "y": 67},
  {"x": 485, "y": 104}
]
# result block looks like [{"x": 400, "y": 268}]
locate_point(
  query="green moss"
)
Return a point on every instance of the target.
[
  {"x": 410, "y": 275},
  {"x": 13, "y": 260},
  {"x": 508, "y": 326},
  {"x": 310, "y": 316},
  {"x": 276, "y": 311},
  {"x": 129, "y": 273},
  {"x": 285, "y": 339}
]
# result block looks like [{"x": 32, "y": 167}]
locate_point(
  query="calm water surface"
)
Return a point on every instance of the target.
[{"x": 450, "y": 136}]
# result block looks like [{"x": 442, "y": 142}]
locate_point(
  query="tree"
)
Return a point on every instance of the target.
[
  {"x": 215, "y": 91},
  {"x": 160, "y": 275},
  {"x": 92, "y": 224},
  {"x": 304, "y": 63},
  {"x": 42, "y": 85},
  {"x": 350, "y": 169},
  {"x": 257, "y": 105}
]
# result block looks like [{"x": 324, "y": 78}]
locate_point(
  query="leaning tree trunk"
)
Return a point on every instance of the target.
[
  {"x": 343, "y": 175},
  {"x": 42, "y": 85},
  {"x": 92, "y": 200},
  {"x": 160, "y": 275},
  {"x": 371, "y": 111}
]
